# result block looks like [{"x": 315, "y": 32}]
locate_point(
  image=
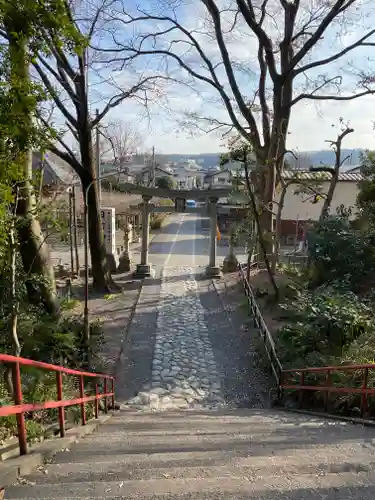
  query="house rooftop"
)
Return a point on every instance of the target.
[{"x": 323, "y": 176}]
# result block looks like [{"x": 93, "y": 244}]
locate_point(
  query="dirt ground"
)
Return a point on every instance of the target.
[
  {"x": 260, "y": 283},
  {"x": 120, "y": 201}
]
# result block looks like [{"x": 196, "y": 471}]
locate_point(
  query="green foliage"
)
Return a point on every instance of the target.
[
  {"x": 165, "y": 182},
  {"x": 366, "y": 195},
  {"x": 338, "y": 250},
  {"x": 157, "y": 220},
  {"x": 321, "y": 324},
  {"x": 329, "y": 319},
  {"x": 44, "y": 339}
]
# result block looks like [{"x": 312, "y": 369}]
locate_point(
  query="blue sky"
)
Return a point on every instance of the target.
[{"x": 312, "y": 122}]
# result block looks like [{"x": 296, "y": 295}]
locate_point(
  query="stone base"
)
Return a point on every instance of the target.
[
  {"x": 230, "y": 264},
  {"x": 112, "y": 262},
  {"x": 142, "y": 271},
  {"x": 124, "y": 264},
  {"x": 213, "y": 272}
]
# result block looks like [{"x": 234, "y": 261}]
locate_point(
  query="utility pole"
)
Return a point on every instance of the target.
[
  {"x": 153, "y": 167},
  {"x": 75, "y": 235},
  {"x": 71, "y": 237},
  {"x": 97, "y": 157}
]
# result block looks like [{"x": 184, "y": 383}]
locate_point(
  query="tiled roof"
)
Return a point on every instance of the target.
[
  {"x": 324, "y": 176},
  {"x": 55, "y": 170}
]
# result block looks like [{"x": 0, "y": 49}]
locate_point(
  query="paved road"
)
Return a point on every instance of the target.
[
  {"x": 180, "y": 241},
  {"x": 183, "y": 242},
  {"x": 185, "y": 351}
]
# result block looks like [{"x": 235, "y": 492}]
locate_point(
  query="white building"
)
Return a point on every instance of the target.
[{"x": 188, "y": 175}]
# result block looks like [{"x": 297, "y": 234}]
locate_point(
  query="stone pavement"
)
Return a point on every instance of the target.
[
  {"x": 184, "y": 373},
  {"x": 185, "y": 352}
]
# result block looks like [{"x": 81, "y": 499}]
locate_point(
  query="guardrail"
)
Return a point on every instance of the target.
[
  {"x": 19, "y": 408},
  {"x": 259, "y": 323}
]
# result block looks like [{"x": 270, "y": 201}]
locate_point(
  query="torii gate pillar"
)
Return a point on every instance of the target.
[
  {"x": 212, "y": 270},
  {"x": 144, "y": 269}
]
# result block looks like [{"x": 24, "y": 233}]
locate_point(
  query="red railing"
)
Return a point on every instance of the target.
[
  {"x": 19, "y": 408},
  {"x": 328, "y": 387}
]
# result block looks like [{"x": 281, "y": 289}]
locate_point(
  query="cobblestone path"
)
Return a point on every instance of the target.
[
  {"x": 184, "y": 373},
  {"x": 187, "y": 352}
]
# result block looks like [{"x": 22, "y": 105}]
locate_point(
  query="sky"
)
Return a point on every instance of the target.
[{"x": 165, "y": 124}]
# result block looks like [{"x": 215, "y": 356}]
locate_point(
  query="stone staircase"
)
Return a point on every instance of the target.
[{"x": 216, "y": 455}]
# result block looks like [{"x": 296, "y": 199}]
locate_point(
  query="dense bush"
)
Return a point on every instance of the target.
[
  {"x": 321, "y": 325},
  {"x": 324, "y": 327},
  {"x": 43, "y": 338},
  {"x": 157, "y": 220},
  {"x": 338, "y": 251}
]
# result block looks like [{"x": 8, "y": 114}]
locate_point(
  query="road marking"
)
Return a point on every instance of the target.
[
  {"x": 194, "y": 239},
  {"x": 174, "y": 242}
]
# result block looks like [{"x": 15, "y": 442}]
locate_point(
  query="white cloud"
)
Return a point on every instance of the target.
[{"x": 311, "y": 123}]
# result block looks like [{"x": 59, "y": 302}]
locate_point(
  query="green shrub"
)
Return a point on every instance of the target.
[
  {"x": 321, "y": 324},
  {"x": 339, "y": 250},
  {"x": 157, "y": 220},
  {"x": 328, "y": 326},
  {"x": 44, "y": 339}
]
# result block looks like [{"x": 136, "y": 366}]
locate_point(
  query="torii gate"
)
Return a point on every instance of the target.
[{"x": 211, "y": 195}]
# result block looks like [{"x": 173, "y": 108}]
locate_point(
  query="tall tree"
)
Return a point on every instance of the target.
[
  {"x": 293, "y": 51},
  {"x": 19, "y": 24},
  {"x": 71, "y": 82}
]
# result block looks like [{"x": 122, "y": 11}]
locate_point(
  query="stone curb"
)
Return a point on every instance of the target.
[
  {"x": 14, "y": 468},
  {"x": 328, "y": 416}
]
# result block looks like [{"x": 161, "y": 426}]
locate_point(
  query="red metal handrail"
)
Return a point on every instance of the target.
[
  {"x": 328, "y": 387},
  {"x": 19, "y": 408}
]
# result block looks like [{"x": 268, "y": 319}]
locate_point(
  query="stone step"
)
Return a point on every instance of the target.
[
  {"x": 333, "y": 486},
  {"x": 195, "y": 467},
  {"x": 121, "y": 442},
  {"x": 243, "y": 418},
  {"x": 199, "y": 432}
]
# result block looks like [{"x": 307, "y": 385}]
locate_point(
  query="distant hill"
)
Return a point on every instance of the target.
[
  {"x": 327, "y": 157},
  {"x": 206, "y": 160},
  {"x": 306, "y": 158}
]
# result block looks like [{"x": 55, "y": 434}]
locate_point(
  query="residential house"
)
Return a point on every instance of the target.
[
  {"x": 158, "y": 172},
  {"x": 299, "y": 209},
  {"x": 53, "y": 172},
  {"x": 302, "y": 208}
]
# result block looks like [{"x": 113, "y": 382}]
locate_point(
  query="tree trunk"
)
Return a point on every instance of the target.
[
  {"x": 40, "y": 279},
  {"x": 33, "y": 249},
  {"x": 102, "y": 279},
  {"x": 328, "y": 200},
  {"x": 13, "y": 307},
  {"x": 262, "y": 243},
  {"x": 264, "y": 183},
  {"x": 280, "y": 207}
]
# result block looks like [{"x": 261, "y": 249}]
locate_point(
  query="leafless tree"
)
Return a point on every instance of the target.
[
  {"x": 121, "y": 138},
  {"x": 261, "y": 58},
  {"x": 335, "y": 170},
  {"x": 74, "y": 82}
]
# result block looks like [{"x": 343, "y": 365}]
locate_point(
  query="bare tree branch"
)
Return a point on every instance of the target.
[
  {"x": 332, "y": 97},
  {"x": 53, "y": 93}
]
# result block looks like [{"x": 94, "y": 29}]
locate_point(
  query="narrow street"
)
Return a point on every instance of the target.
[{"x": 184, "y": 349}]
